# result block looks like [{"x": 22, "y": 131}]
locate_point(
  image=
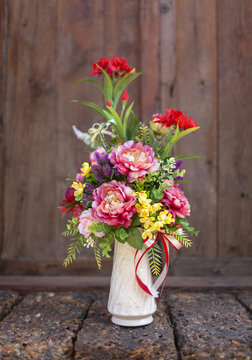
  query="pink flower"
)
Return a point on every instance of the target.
[
  {"x": 108, "y": 103},
  {"x": 114, "y": 204},
  {"x": 79, "y": 177},
  {"x": 176, "y": 201},
  {"x": 134, "y": 160},
  {"x": 85, "y": 220}
]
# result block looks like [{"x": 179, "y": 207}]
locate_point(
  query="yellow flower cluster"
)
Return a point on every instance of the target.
[
  {"x": 78, "y": 187},
  {"x": 148, "y": 215},
  {"x": 85, "y": 169}
]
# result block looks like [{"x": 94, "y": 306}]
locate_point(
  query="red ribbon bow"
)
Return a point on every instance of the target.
[{"x": 160, "y": 281}]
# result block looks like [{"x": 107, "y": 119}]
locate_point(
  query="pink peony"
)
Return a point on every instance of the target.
[
  {"x": 114, "y": 204},
  {"x": 134, "y": 159},
  {"x": 86, "y": 219},
  {"x": 176, "y": 201}
]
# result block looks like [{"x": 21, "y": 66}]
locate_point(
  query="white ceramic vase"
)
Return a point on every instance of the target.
[{"x": 128, "y": 303}]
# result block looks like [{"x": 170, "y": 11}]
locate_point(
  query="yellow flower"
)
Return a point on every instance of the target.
[
  {"x": 162, "y": 215},
  {"x": 138, "y": 207},
  {"x": 144, "y": 213},
  {"x": 155, "y": 207},
  {"x": 78, "y": 187},
  {"x": 147, "y": 233},
  {"x": 85, "y": 169},
  {"x": 158, "y": 225},
  {"x": 169, "y": 219}
]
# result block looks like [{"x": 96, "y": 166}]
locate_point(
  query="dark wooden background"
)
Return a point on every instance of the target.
[{"x": 196, "y": 55}]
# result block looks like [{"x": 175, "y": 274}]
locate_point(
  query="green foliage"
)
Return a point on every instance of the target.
[
  {"x": 105, "y": 244},
  {"x": 135, "y": 238},
  {"x": 187, "y": 227},
  {"x": 122, "y": 84},
  {"x": 97, "y": 254},
  {"x": 72, "y": 228},
  {"x": 155, "y": 259},
  {"x": 121, "y": 234},
  {"x": 92, "y": 82},
  {"x": 144, "y": 135},
  {"x": 184, "y": 157},
  {"x": 74, "y": 248},
  {"x": 132, "y": 127},
  {"x": 182, "y": 237}
]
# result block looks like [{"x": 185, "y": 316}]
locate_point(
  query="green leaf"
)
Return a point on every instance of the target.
[
  {"x": 93, "y": 106},
  {"x": 135, "y": 220},
  {"x": 108, "y": 87},
  {"x": 92, "y": 82},
  {"x": 125, "y": 120},
  {"x": 132, "y": 127},
  {"x": 182, "y": 157},
  {"x": 118, "y": 121},
  {"x": 185, "y": 132},
  {"x": 122, "y": 84},
  {"x": 135, "y": 238}
]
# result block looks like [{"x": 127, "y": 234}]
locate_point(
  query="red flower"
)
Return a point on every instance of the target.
[
  {"x": 125, "y": 96},
  {"x": 77, "y": 210},
  {"x": 174, "y": 117},
  {"x": 102, "y": 63},
  {"x": 119, "y": 65},
  {"x": 67, "y": 203},
  {"x": 108, "y": 103}
]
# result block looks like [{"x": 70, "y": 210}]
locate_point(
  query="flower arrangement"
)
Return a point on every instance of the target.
[{"x": 131, "y": 190}]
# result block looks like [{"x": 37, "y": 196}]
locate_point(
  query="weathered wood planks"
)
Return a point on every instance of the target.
[
  {"x": 194, "y": 55},
  {"x": 235, "y": 130}
]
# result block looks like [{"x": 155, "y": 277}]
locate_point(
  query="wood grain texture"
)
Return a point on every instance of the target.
[
  {"x": 30, "y": 117},
  {"x": 235, "y": 131},
  {"x": 195, "y": 56},
  {"x": 168, "y": 55},
  {"x": 122, "y": 38},
  {"x": 150, "y": 58},
  {"x": 3, "y": 47},
  {"x": 196, "y": 79}
]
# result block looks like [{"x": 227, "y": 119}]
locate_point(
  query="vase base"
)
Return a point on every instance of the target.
[{"x": 132, "y": 321}]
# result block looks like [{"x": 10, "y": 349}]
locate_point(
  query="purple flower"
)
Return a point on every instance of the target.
[{"x": 179, "y": 163}]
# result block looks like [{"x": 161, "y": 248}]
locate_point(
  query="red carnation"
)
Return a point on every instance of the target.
[
  {"x": 108, "y": 103},
  {"x": 174, "y": 117},
  {"x": 102, "y": 63},
  {"x": 119, "y": 65}
]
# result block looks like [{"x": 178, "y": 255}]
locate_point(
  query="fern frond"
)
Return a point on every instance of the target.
[
  {"x": 182, "y": 238},
  {"x": 73, "y": 249},
  {"x": 144, "y": 135},
  {"x": 155, "y": 259},
  {"x": 97, "y": 254}
]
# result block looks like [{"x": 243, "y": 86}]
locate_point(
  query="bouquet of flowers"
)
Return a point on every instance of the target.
[{"x": 131, "y": 190}]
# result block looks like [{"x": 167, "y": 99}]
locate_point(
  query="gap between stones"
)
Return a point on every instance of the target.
[
  {"x": 172, "y": 323},
  {"x": 244, "y": 305},
  {"x": 82, "y": 319},
  {"x": 16, "y": 303}
]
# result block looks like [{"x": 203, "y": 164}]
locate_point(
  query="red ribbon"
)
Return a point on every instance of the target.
[{"x": 166, "y": 240}]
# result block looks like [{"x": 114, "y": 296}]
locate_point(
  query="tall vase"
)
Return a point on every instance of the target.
[{"x": 128, "y": 303}]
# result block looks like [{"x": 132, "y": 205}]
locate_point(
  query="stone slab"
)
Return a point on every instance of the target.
[
  {"x": 8, "y": 299},
  {"x": 43, "y": 326},
  {"x": 101, "y": 339},
  {"x": 210, "y": 326},
  {"x": 246, "y": 299}
]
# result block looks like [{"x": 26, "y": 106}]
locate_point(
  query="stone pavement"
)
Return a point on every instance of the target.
[{"x": 74, "y": 325}]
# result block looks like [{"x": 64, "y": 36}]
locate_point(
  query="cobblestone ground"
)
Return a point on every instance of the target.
[{"x": 73, "y": 325}]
